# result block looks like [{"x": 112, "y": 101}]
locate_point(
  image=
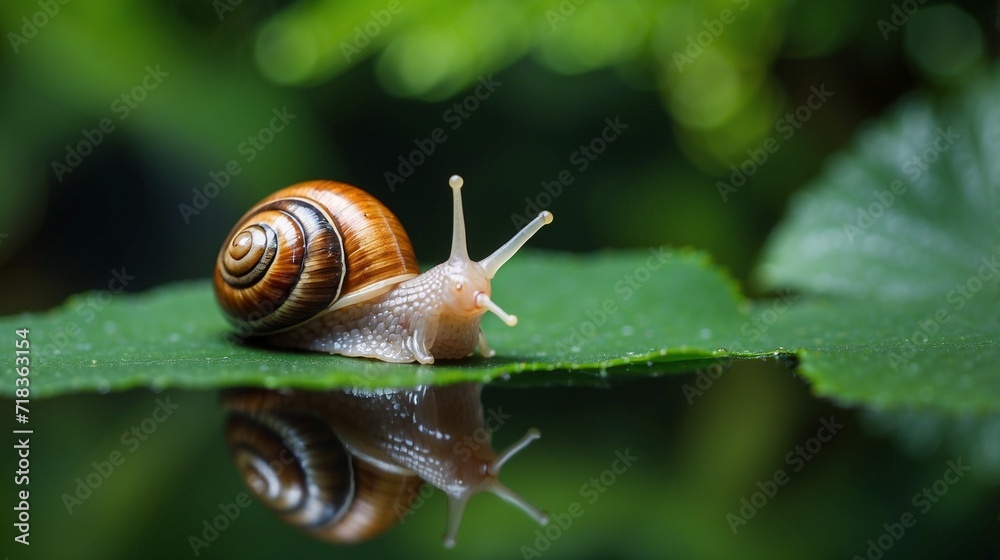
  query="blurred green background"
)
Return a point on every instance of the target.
[{"x": 182, "y": 88}]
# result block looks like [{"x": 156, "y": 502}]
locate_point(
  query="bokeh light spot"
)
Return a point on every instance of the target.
[
  {"x": 285, "y": 52},
  {"x": 943, "y": 40}
]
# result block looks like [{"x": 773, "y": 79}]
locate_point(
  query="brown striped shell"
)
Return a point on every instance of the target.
[
  {"x": 307, "y": 249},
  {"x": 295, "y": 464},
  {"x": 346, "y": 465}
]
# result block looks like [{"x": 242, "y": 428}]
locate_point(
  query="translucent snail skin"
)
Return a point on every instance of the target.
[{"x": 324, "y": 266}]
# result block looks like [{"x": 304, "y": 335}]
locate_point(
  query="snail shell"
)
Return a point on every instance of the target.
[
  {"x": 324, "y": 266},
  {"x": 309, "y": 248},
  {"x": 295, "y": 465},
  {"x": 344, "y": 466}
]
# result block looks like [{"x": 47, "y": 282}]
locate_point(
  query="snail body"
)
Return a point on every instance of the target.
[
  {"x": 324, "y": 266},
  {"x": 344, "y": 466}
]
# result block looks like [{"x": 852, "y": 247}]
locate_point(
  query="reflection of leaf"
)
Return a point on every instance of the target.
[{"x": 902, "y": 232}]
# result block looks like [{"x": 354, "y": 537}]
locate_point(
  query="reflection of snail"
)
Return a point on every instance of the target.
[
  {"x": 345, "y": 465},
  {"x": 325, "y": 266}
]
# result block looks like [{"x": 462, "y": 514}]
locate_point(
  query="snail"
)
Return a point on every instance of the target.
[
  {"x": 344, "y": 466},
  {"x": 324, "y": 266}
]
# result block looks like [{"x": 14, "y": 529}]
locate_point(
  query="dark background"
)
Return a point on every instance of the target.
[{"x": 559, "y": 80}]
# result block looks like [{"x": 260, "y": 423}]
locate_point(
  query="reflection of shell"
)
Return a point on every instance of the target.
[
  {"x": 297, "y": 467},
  {"x": 298, "y": 251},
  {"x": 309, "y": 455}
]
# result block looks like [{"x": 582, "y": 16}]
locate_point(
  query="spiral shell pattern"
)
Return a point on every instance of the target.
[
  {"x": 295, "y": 464},
  {"x": 297, "y": 252}
]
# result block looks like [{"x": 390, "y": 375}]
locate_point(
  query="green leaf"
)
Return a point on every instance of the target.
[
  {"x": 885, "y": 355},
  {"x": 911, "y": 211},
  {"x": 589, "y": 313},
  {"x": 901, "y": 233},
  {"x": 891, "y": 255}
]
